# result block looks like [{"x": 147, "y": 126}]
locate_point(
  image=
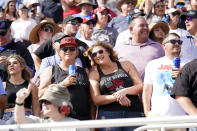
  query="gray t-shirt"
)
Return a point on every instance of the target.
[
  {"x": 34, "y": 119},
  {"x": 108, "y": 35}
]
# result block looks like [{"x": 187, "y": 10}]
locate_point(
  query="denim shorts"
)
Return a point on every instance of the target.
[
  {"x": 9, "y": 116},
  {"x": 118, "y": 115}
]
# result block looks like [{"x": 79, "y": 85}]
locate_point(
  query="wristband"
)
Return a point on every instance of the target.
[{"x": 19, "y": 104}]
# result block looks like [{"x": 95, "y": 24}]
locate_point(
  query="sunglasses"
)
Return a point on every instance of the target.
[
  {"x": 95, "y": 53},
  {"x": 89, "y": 23},
  {"x": 175, "y": 13},
  {"x": 65, "y": 49},
  {"x": 180, "y": 6},
  {"x": 130, "y": 2},
  {"x": 189, "y": 18},
  {"x": 3, "y": 33},
  {"x": 74, "y": 23},
  {"x": 47, "y": 29},
  {"x": 175, "y": 41},
  {"x": 46, "y": 102},
  {"x": 158, "y": 6}
]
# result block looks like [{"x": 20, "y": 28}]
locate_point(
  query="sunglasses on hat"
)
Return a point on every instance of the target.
[
  {"x": 95, "y": 53},
  {"x": 175, "y": 41},
  {"x": 65, "y": 49}
]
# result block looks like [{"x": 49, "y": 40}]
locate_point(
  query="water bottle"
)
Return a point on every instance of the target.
[
  {"x": 176, "y": 64},
  {"x": 72, "y": 69}
]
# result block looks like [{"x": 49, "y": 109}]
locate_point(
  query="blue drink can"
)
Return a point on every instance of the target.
[
  {"x": 176, "y": 62},
  {"x": 72, "y": 69}
]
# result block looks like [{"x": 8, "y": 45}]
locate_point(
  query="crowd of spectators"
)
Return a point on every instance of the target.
[{"x": 123, "y": 58}]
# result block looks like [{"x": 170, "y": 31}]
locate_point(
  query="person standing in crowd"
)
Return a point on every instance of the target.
[
  {"x": 158, "y": 31},
  {"x": 22, "y": 27},
  {"x": 154, "y": 11},
  {"x": 114, "y": 85},
  {"x": 42, "y": 32},
  {"x": 77, "y": 84},
  {"x": 8, "y": 47},
  {"x": 56, "y": 106},
  {"x": 184, "y": 90},
  {"x": 19, "y": 77},
  {"x": 86, "y": 7},
  {"x": 70, "y": 28},
  {"x": 101, "y": 31},
  {"x": 86, "y": 30},
  {"x": 121, "y": 22},
  {"x": 103, "y": 3},
  {"x": 159, "y": 79},
  {"x": 10, "y": 10},
  {"x": 139, "y": 49}
]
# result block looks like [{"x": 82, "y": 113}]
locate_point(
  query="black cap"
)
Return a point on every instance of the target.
[
  {"x": 70, "y": 17},
  {"x": 58, "y": 36},
  {"x": 191, "y": 13},
  {"x": 4, "y": 25},
  {"x": 135, "y": 13}
]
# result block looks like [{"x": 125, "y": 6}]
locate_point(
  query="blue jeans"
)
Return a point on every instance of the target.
[
  {"x": 9, "y": 116},
  {"x": 118, "y": 114}
]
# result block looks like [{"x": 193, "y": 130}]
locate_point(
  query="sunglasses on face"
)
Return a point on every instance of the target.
[
  {"x": 3, "y": 33},
  {"x": 103, "y": 13},
  {"x": 160, "y": 6},
  {"x": 175, "y": 13},
  {"x": 89, "y": 23},
  {"x": 46, "y": 102},
  {"x": 130, "y": 2},
  {"x": 189, "y": 18},
  {"x": 175, "y": 41},
  {"x": 65, "y": 49},
  {"x": 95, "y": 53},
  {"x": 47, "y": 29},
  {"x": 180, "y": 6},
  {"x": 74, "y": 23}
]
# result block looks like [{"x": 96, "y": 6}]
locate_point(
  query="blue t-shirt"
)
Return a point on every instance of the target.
[{"x": 2, "y": 90}]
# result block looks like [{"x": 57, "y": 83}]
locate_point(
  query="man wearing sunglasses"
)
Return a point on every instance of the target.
[
  {"x": 56, "y": 105},
  {"x": 8, "y": 47},
  {"x": 158, "y": 81},
  {"x": 188, "y": 48},
  {"x": 70, "y": 28}
]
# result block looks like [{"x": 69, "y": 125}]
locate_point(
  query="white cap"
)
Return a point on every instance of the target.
[{"x": 171, "y": 10}]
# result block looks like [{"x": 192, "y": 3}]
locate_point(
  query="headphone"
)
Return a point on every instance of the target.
[{"x": 65, "y": 110}]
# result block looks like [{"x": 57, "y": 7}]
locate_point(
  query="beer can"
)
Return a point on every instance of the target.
[
  {"x": 72, "y": 69},
  {"x": 176, "y": 62}
]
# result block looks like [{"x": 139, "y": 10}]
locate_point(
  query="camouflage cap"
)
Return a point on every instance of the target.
[{"x": 57, "y": 95}]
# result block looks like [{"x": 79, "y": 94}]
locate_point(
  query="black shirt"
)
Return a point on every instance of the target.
[{"x": 186, "y": 82}]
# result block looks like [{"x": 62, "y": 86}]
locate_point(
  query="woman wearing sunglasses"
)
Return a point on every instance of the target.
[
  {"x": 18, "y": 78},
  {"x": 77, "y": 84},
  {"x": 56, "y": 106},
  {"x": 114, "y": 85}
]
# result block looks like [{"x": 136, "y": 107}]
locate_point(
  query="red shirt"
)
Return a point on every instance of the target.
[{"x": 73, "y": 10}]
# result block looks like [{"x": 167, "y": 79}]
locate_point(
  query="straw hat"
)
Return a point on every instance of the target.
[
  {"x": 163, "y": 25},
  {"x": 120, "y": 2},
  {"x": 33, "y": 37}
]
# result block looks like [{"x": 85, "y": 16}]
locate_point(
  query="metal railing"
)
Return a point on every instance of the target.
[{"x": 146, "y": 123}]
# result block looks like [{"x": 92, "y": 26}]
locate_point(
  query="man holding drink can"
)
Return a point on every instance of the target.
[{"x": 159, "y": 78}]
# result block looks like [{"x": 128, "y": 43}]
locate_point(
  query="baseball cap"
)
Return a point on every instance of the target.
[
  {"x": 57, "y": 37},
  {"x": 135, "y": 13},
  {"x": 191, "y": 13},
  {"x": 85, "y": 20},
  {"x": 4, "y": 25},
  {"x": 71, "y": 17},
  {"x": 22, "y": 6},
  {"x": 68, "y": 41},
  {"x": 57, "y": 95},
  {"x": 171, "y": 10}
]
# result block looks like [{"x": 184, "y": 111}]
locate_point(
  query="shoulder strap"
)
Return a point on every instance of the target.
[{"x": 100, "y": 71}]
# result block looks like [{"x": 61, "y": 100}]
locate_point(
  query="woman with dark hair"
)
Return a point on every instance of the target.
[
  {"x": 18, "y": 78},
  {"x": 114, "y": 85},
  {"x": 10, "y": 10}
]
